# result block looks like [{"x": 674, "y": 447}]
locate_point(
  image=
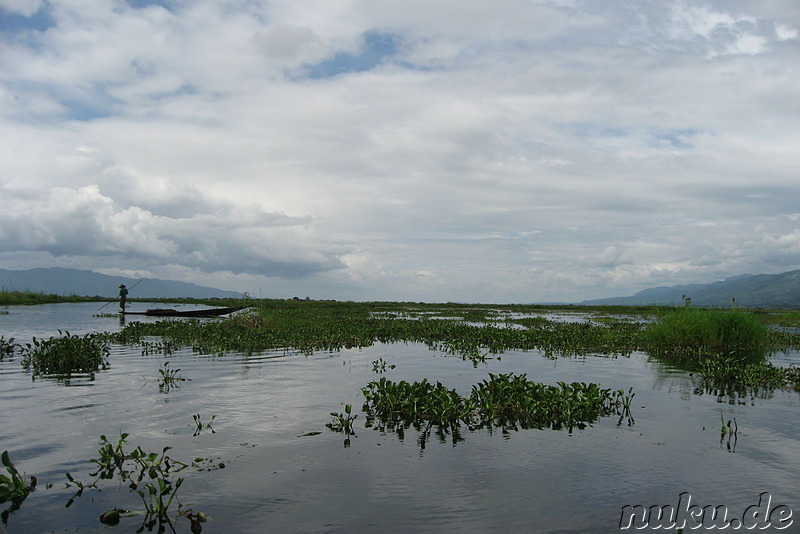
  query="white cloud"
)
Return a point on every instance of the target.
[
  {"x": 22, "y": 7},
  {"x": 542, "y": 151}
]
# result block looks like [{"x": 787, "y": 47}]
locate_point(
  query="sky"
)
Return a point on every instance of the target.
[{"x": 440, "y": 151}]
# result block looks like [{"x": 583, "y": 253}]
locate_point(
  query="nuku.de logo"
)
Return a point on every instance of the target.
[{"x": 691, "y": 516}]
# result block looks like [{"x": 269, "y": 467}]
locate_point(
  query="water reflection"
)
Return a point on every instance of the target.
[{"x": 286, "y": 472}]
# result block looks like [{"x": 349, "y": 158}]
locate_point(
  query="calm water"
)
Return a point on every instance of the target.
[{"x": 278, "y": 480}]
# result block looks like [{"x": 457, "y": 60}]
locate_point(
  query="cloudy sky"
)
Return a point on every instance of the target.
[{"x": 469, "y": 150}]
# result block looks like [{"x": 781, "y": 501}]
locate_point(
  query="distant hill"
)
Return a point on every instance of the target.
[
  {"x": 67, "y": 282},
  {"x": 751, "y": 291}
]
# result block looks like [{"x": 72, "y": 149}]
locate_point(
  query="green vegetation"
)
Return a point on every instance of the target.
[
  {"x": 13, "y": 487},
  {"x": 64, "y": 355},
  {"x": 504, "y": 401},
  {"x": 726, "y": 348},
  {"x": 150, "y": 475},
  {"x": 169, "y": 378},
  {"x": 26, "y": 298},
  {"x": 343, "y": 422},
  {"x": 698, "y": 340},
  {"x": 380, "y": 365},
  {"x": 309, "y": 326},
  {"x": 7, "y": 346},
  {"x": 691, "y": 333}
]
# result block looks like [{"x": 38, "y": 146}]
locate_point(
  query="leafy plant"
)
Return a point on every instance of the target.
[
  {"x": 12, "y": 486},
  {"x": 380, "y": 366},
  {"x": 343, "y": 422},
  {"x": 66, "y": 354},
  {"x": 7, "y": 346},
  {"x": 169, "y": 378},
  {"x": 150, "y": 475},
  {"x": 506, "y": 401}
]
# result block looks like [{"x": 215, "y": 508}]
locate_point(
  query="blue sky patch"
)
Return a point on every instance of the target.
[
  {"x": 675, "y": 138},
  {"x": 377, "y": 47},
  {"x": 14, "y": 23},
  {"x": 138, "y": 4}
]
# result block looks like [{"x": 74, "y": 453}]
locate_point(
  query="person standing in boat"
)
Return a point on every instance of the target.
[{"x": 123, "y": 296}]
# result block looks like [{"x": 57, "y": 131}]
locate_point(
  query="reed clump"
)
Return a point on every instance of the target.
[{"x": 690, "y": 335}]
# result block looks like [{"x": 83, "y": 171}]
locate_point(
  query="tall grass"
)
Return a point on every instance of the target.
[{"x": 691, "y": 333}]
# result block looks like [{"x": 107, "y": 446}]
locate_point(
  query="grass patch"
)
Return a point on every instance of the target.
[{"x": 689, "y": 335}]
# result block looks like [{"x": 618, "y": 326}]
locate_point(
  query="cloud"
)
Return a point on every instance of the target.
[
  {"x": 26, "y": 8},
  {"x": 86, "y": 223},
  {"x": 545, "y": 150}
]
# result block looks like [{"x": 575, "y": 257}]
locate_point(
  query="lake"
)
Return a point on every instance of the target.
[{"x": 284, "y": 471}]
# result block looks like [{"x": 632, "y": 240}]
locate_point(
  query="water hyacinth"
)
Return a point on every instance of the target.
[
  {"x": 66, "y": 354},
  {"x": 505, "y": 401}
]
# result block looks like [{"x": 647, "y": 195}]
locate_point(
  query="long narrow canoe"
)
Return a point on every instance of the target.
[{"x": 210, "y": 312}]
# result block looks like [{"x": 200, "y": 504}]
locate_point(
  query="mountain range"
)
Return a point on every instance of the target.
[
  {"x": 65, "y": 282},
  {"x": 750, "y": 291}
]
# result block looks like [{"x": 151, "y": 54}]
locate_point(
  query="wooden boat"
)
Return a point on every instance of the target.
[{"x": 168, "y": 312}]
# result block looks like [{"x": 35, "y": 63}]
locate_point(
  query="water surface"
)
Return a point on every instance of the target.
[{"x": 277, "y": 478}]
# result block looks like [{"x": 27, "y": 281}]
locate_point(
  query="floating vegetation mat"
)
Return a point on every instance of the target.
[{"x": 506, "y": 401}]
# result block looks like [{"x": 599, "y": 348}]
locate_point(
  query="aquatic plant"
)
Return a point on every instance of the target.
[
  {"x": 169, "y": 378},
  {"x": 509, "y": 400},
  {"x": 380, "y": 365},
  {"x": 735, "y": 374},
  {"x": 7, "y": 346},
  {"x": 505, "y": 401},
  {"x": 688, "y": 335},
  {"x": 12, "y": 486},
  {"x": 727, "y": 428},
  {"x": 343, "y": 422},
  {"x": 150, "y": 475},
  {"x": 312, "y": 326},
  {"x": 65, "y": 354},
  {"x": 200, "y": 425}
]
